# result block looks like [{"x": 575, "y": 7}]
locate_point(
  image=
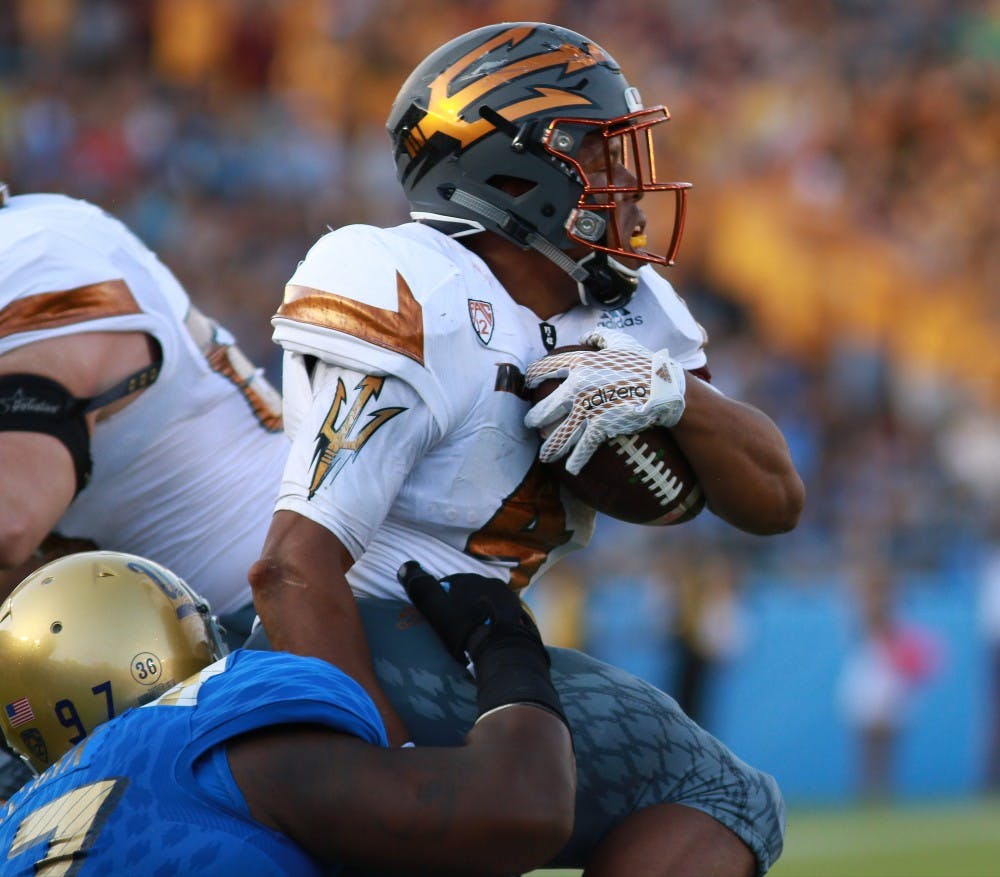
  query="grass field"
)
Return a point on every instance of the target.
[{"x": 941, "y": 840}]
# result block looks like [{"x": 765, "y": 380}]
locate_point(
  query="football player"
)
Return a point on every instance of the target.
[
  {"x": 128, "y": 419},
  {"x": 528, "y": 162},
  {"x": 261, "y": 763}
]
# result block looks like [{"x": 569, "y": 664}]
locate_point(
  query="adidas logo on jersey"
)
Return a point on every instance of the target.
[{"x": 619, "y": 318}]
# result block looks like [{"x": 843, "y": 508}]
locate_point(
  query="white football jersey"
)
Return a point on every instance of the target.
[
  {"x": 403, "y": 365},
  {"x": 187, "y": 473}
]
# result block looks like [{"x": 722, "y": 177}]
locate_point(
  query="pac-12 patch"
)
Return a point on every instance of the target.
[{"x": 481, "y": 314}]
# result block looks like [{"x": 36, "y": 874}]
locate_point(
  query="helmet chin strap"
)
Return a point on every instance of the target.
[
  {"x": 608, "y": 282},
  {"x": 599, "y": 278}
]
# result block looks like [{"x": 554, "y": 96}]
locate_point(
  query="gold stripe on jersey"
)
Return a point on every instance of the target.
[
  {"x": 49, "y": 310},
  {"x": 186, "y": 693},
  {"x": 401, "y": 330}
]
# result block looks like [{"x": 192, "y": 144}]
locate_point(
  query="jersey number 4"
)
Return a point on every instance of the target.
[{"x": 529, "y": 524}]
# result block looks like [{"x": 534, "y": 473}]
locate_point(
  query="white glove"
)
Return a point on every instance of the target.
[{"x": 619, "y": 389}]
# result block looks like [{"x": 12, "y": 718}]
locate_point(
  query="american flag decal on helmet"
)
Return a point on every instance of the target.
[{"x": 19, "y": 712}]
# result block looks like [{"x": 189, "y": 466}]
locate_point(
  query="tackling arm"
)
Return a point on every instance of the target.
[
  {"x": 306, "y": 606},
  {"x": 500, "y": 804}
]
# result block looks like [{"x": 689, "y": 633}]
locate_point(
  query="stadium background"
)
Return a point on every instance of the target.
[{"x": 842, "y": 251}]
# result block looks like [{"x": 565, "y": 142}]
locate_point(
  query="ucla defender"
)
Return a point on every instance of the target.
[
  {"x": 524, "y": 154},
  {"x": 163, "y": 755}
]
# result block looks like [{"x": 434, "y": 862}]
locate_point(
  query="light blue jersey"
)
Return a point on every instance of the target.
[{"x": 150, "y": 792}]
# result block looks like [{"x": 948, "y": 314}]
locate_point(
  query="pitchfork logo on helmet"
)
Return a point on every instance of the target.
[
  {"x": 465, "y": 82},
  {"x": 490, "y": 133}
]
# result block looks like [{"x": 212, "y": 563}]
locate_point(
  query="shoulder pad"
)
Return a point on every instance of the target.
[{"x": 360, "y": 300}]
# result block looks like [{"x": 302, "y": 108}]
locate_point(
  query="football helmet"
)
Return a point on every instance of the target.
[
  {"x": 487, "y": 135},
  {"x": 86, "y": 637}
]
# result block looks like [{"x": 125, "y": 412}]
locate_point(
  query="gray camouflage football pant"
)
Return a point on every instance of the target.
[{"x": 634, "y": 746}]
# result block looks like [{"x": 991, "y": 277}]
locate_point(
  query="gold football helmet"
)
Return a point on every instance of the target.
[{"x": 86, "y": 637}]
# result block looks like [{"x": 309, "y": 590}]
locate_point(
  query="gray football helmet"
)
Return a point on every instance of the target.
[{"x": 487, "y": 131}]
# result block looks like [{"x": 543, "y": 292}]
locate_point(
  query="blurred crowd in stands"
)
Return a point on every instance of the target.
[{"x": 842, "y": 249}]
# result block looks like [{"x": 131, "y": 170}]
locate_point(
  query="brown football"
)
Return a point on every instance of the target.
[{"x": 642, "y": 478}]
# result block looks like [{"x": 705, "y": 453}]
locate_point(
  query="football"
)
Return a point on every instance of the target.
[{"x": 642, "y": 478}]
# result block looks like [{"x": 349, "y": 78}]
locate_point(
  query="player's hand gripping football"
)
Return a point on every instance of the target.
[{"x": 619, "y": 389}]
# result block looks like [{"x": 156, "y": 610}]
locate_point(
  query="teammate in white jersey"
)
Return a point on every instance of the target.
[
  {"x": 181, "y": 463},
  {"x": 524, "y": 154},
  {"x": 128, "y": 420}
]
